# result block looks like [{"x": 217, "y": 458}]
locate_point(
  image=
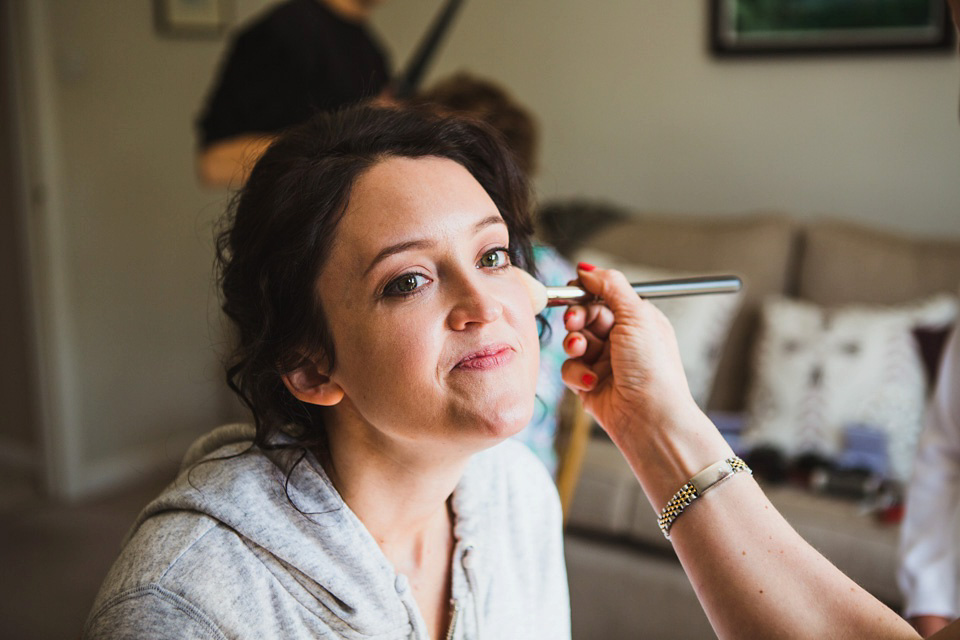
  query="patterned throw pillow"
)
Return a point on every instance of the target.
[
  {"x": 700, "y": 322},
  {"x": 817, "y": 371}
]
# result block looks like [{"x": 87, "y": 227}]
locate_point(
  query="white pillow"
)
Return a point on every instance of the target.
[
  {"x": 818, "y": 370},
  {"x": 701, "y": 323}
]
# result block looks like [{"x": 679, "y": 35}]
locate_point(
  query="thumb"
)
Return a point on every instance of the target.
[{"x": 612, "y": 286}]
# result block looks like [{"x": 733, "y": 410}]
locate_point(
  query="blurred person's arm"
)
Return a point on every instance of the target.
[
  {"x": 928, "y": 555},
  {"x": 754, "y": 575},
  {"x": 926, "y": 626},
  {"x": 228, "y": 163},
  {"x": 247, "y": 100},
  {"x": 928, "y": 569}
]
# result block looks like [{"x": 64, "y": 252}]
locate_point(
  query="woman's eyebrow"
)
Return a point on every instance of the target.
[
  {"x": 400, "y": 247},
  {"x": 407, "y": 245},
  {"x": 489, "y": 220}
]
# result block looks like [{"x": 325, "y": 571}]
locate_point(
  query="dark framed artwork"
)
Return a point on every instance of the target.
[
  {"x": 192, "y": 18},
  {"x": 750, "y": 27}
]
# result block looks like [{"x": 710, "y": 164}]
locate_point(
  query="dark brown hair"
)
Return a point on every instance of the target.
[{"x": 277, "y": 234}]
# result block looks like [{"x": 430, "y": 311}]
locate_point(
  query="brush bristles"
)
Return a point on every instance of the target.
[{"x": 536, "y": 291}]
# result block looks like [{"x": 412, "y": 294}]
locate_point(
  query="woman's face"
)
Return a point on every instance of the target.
[{"x": 435, "y": 338}]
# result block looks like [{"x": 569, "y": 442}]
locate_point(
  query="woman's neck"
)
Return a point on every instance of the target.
[{"x": 400, "y": 491}]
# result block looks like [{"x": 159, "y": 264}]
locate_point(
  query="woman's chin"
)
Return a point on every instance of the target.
[{"x": 499, "y": 423}]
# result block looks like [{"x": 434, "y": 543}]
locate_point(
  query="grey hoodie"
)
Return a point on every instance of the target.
[{"x": 222, "y": 553}]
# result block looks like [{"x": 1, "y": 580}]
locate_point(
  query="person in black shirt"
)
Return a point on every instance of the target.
[{"x": 301, "y": 57}]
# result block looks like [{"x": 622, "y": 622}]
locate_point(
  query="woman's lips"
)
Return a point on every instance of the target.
[{"x": 487, "y": 358}]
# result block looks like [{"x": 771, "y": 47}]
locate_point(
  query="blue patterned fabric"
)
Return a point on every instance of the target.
[{"x": 540, "y": 434}]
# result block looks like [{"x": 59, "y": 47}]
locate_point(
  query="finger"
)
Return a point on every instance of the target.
[
  {"x": 577, "y": 316},
  {"x": 575, "y": 345},
  {"x": 578, "y": 376},
  {"x": 593, "y": 346},
  {"x": 599, "y": 320},
  {"x": 574, "y": 318},
  {"x": 612, "y": 286}
]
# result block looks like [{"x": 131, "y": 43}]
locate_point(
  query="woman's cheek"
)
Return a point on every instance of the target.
[
  {"x": 526, "y": 319},
  {"x": 409, "y": 340},
  {"x": 528, "y": 330},
  {"x": 385, "y": 343}
]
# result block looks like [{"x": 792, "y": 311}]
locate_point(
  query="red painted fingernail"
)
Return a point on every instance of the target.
[
  {"x": 572, "y": 340},
  {"x": 589, "y": 379},
  {"x": 585, "y": 266},
  {"x": 568, "y": 315}
]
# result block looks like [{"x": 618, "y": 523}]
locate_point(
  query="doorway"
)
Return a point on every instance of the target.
[{"x": 19, "y": 433}]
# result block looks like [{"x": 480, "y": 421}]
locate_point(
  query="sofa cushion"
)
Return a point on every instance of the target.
[
  {"x": 857, "y": 544},
  {"x": 845, "y": 263},
  {"x": 758, "y": 248},
  {"x": 701, "y": 323},
  {"x": 818, "y": 371},
  {"x": 616, "y": 594},
  {"x": 607, "y": 493}
]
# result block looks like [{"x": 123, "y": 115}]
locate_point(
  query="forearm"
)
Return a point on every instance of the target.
[
  {"x": 228, "y": 163},
  {"x": 754, "y": 575}
]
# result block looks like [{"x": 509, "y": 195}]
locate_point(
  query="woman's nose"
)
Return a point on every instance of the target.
[{"x": 473, "y": 303}]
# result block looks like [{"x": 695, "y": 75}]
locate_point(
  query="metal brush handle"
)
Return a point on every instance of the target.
[{"x": 562, "y": 296}]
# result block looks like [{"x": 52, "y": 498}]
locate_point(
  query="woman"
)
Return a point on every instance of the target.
[
  {"x": 387, "y": 351},
  {"x": 384, "y": 347}
]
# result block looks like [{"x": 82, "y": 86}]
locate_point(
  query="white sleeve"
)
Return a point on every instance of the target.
[{"x": 928, "y": 542}]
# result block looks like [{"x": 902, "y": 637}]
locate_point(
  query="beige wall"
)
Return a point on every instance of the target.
[
  {"x": 633, "y": 110},
  {"x": 124, "y": 244},
  {"x": 139, "y": 227}
]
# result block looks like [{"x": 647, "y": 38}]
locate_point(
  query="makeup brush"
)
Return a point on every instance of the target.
[{"x": 541, "y": 296}]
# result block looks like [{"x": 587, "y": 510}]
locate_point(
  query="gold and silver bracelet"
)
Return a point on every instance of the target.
[{"x": 696, "y": 487}]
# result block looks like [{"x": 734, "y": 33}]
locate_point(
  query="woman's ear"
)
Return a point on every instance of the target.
[{"x": 310, "y": 383}]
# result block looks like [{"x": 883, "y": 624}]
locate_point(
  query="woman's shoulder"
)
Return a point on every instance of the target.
[
  {"x": 150, "y": 611},
  {"x": 189, "y": 540},
  {"x": 142, "y": 591}
]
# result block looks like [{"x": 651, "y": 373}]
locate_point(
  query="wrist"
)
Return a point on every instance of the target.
[{"x": 664, "y": 454}]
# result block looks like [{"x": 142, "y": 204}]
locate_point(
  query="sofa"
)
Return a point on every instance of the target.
[{"x": 624, "y": 579}]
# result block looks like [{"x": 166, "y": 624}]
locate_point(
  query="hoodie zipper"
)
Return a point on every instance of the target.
[
  {"x": 467, "y": 561},
  {"x": 455, "y": 605}
]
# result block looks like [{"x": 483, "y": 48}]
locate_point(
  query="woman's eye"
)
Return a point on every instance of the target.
[
  {"x": 495, "y": 258},
  {"x": 406, "y": 284}
]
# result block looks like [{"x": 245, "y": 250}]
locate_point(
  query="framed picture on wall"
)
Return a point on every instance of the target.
[
  {"x": 812, "y": 26},
  {"x": 191, "y": 18}
]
